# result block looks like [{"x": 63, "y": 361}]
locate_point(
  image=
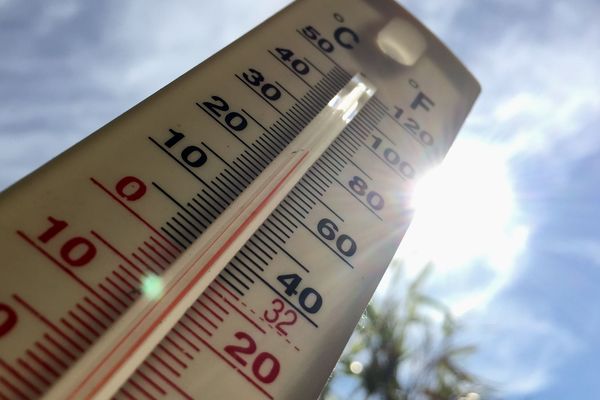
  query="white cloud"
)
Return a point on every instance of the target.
[
  {"x": 586, "y": 249},
  {"x": 541, "y": 89},
  {"x": 36, "y": 147},
  {"x": 55, "y": 14},
  {"x": 519, "y": 348},
  {"x": 436, "y": 15},
  {"x": 164, "y": 40}
]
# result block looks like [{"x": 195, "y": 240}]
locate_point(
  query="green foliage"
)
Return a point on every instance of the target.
[{"x": 406, "y": 347}]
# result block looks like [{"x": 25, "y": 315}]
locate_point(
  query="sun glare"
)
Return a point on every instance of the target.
[
  {"x": 152, "y": 287},
  {"x": 465, "y": 208}
]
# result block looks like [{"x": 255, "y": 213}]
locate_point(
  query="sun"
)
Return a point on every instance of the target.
[{"x": 465, "y": 209}]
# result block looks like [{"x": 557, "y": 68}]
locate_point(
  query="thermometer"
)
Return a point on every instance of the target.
[{"x": 221, "y": 239}]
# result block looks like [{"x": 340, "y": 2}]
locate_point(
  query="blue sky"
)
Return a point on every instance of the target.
[{"x": 529, "y": 303}]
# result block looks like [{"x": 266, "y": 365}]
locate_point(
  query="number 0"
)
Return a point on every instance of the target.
[
  {"x": 7, "y": 321},
  {"x": 272, "y": 371}
]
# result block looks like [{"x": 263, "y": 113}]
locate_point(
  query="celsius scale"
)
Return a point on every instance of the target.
[{"x": 221, "y": 239}]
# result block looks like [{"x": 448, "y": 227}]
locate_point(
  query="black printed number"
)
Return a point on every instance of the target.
[
  {"x": 220, "y": 108},
  {"x": 310, "y": 300},
  {"x": 393, "y": 159},
  {"x": 360, "y": 187},
  {"x": 191, "y": 155},
  {"x": 255, "y": 78},
  {"x": 344, "y": 243},
  {"x": 298, "y": 65}
]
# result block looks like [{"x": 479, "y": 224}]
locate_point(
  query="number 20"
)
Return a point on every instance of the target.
[{"x": 259, "y": 372}]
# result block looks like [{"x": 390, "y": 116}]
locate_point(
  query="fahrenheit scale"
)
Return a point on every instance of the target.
[{"x": 221, "y": 239}]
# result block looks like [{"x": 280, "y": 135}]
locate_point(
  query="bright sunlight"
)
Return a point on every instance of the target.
[{"x": 466, "y": 211}]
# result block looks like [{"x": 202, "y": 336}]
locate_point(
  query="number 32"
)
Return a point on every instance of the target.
[{"x": 277, "y": 314}]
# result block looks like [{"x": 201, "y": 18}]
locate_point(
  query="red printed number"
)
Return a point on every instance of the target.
[
  {"x": 77, "y": 251},
  {"x": 265, "y": 366},
  {"x": 279, "y": 313},
  {"x": 131, "y": 188},
  {"x": 8, "y": 319}
]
